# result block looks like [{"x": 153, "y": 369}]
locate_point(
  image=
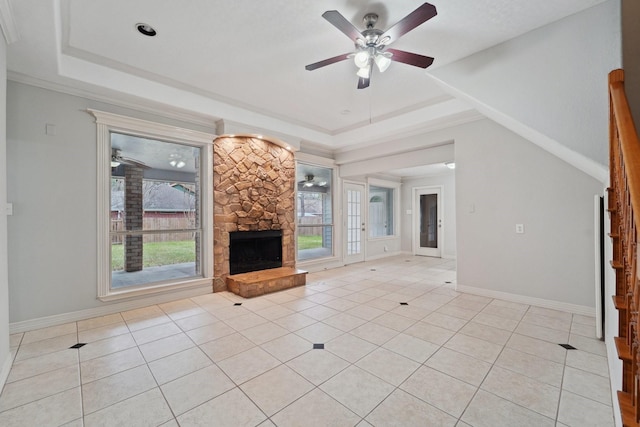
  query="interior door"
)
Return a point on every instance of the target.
[
  {"x": 427, "y": 235},
  {"x": 354, "y": 222}
]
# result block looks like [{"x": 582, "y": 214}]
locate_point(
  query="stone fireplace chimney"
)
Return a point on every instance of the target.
[{"x": 253, "y": 184}]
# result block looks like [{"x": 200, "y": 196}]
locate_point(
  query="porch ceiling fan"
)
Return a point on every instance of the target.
[
  {"x": 371, "y": 44},
  {"x": 311, "y": 181},
  {"x": 117, "y": 159}
]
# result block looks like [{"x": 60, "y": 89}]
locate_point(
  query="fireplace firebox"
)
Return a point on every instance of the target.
[{"x": 254, "y": 250}]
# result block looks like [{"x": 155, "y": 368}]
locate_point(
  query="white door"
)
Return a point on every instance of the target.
[
  {"x": 427, "y": 227},
  {"x": 354, "y": 222}
]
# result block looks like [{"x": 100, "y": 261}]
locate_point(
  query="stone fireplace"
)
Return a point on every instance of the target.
[{"x": 254, "y": 190}]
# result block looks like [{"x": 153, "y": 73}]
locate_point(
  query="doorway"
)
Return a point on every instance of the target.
[
  {"x": 427, "y": 222},
  {"x": 354, "y": 222}
]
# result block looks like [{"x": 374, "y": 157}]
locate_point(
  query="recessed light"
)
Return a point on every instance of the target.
[
  {"x": 345, "y": 112},
  {"x": 146, "y": 29}
]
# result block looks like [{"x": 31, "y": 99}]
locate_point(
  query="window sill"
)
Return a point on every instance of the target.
[{"x": 159, "y": 288}]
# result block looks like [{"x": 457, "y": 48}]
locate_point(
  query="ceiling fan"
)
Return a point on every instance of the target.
[
  {"x": 117, "y": 160},
  {"x": 371, "y": 44},
  {"x": 310, "y": 181}
]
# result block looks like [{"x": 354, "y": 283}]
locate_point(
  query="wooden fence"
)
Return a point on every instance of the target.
[{"x": 157, "y": 221}]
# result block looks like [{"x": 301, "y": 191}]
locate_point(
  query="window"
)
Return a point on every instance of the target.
[
  {"x": 314, "y": 211},
  {"x": 153, "y": 207},
  {"x": 381, "y": 211}
]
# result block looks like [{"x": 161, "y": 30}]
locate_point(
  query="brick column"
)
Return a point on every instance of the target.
[{"x": 133, "y": 211}]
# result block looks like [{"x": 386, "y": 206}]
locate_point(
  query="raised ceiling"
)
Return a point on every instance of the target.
[{"x": 243, "y": 60}]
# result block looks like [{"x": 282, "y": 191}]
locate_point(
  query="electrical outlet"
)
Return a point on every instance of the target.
[{"x": 520, "y": 228}]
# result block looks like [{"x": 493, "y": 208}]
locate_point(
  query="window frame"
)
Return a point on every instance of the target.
[
  {"x": 106, "y": 123},
  {"x": 315, "y": 161},
  {"x": 396, "y": 187}
]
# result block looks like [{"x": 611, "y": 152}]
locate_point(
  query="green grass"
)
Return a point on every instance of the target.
[
  {"x": 309, "y": 242},
  {"x": 157, "y": 253},
  {"x": 166, "y": 253}
]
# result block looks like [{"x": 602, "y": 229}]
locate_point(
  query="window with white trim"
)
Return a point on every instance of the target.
[
  {"x": 154, "y": 208},
  {"x": 381, "y": 211},
  {"x": 315, "y": 230}
]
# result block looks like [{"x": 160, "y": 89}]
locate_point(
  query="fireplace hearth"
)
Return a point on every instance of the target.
[{"x": 254, "y": 250}]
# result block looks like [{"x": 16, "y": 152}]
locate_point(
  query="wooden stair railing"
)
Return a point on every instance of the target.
[{"x": 623, "y": 207}]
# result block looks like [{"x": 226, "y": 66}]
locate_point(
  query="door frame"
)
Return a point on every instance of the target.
[
  {"x": 351, "y": 259},
  {"x": 415, "y": 241}
]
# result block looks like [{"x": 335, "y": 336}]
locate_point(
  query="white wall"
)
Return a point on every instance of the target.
[
  {"x": 552, "y": 79},
  {"x": 5, "y": 358},
  {"x": 51, "y": 182},
  {"x": 507, "y": 180},
  {"x": 448, "y": 183}
]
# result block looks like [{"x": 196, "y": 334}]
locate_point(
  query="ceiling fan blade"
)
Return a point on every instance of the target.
[
  {"x": 341, "y": 23},
  {"x": 326, "y": 62},
  {"x": 363, "y": 83},
  {"x": 409, "y": 22},
  {"x": 132, "y": 162},
  {"x": 410, "y": 58}
]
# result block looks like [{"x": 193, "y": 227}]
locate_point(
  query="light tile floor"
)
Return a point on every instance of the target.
[{"x": 442, "y": 359}]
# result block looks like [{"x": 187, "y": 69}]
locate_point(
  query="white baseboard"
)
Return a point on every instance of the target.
[
  {"x": 410, "y": 253},
  {"x": 523, "y": 299},
  {"x": 74, "y": 316},
  {"x": 383, "y": 255},
  {"x": 314, "y": 266}
]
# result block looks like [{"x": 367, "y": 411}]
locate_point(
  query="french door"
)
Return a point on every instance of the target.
[
  {"x": 427, "y": 226},
  {"x": 354, "y": 222}
]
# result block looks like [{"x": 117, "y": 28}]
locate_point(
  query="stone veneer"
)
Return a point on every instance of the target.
[{"x": 253, "y": 190}]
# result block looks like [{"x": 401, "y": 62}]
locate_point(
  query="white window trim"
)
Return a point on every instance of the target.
[
  {"x": 107, "y": 123},
  {"x": 313, "y": 160},
  {"x": 396, "y": 206}
]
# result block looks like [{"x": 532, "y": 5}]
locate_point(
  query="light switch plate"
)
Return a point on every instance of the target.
[{"x": 520, "y": 228}]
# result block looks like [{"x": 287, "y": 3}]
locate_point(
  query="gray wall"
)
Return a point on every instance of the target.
[
  {"x": 631, "y": 54},
  {"x": 510, "y": 181},
  {"x": 5, "y": 359},
  {"x": 51, "y": 182}
]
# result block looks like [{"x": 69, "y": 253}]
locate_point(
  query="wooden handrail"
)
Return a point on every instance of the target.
[
  {"x": 624, "y": 204},
  {"x": 628, "y": 136}
]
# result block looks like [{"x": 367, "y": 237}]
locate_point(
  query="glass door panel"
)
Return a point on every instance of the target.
[
  {"x": 427, "y": 222},
  {"x": 354, "y": 221}
]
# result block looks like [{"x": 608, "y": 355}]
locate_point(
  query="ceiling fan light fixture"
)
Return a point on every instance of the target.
[
  {"x": 363, "y": 72},
  {"x": 382, "y": 61},
  {"x": 384, "y": 41},
  {"x": 361, "y": 59},
  {"x": 114, "y": 163}
]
